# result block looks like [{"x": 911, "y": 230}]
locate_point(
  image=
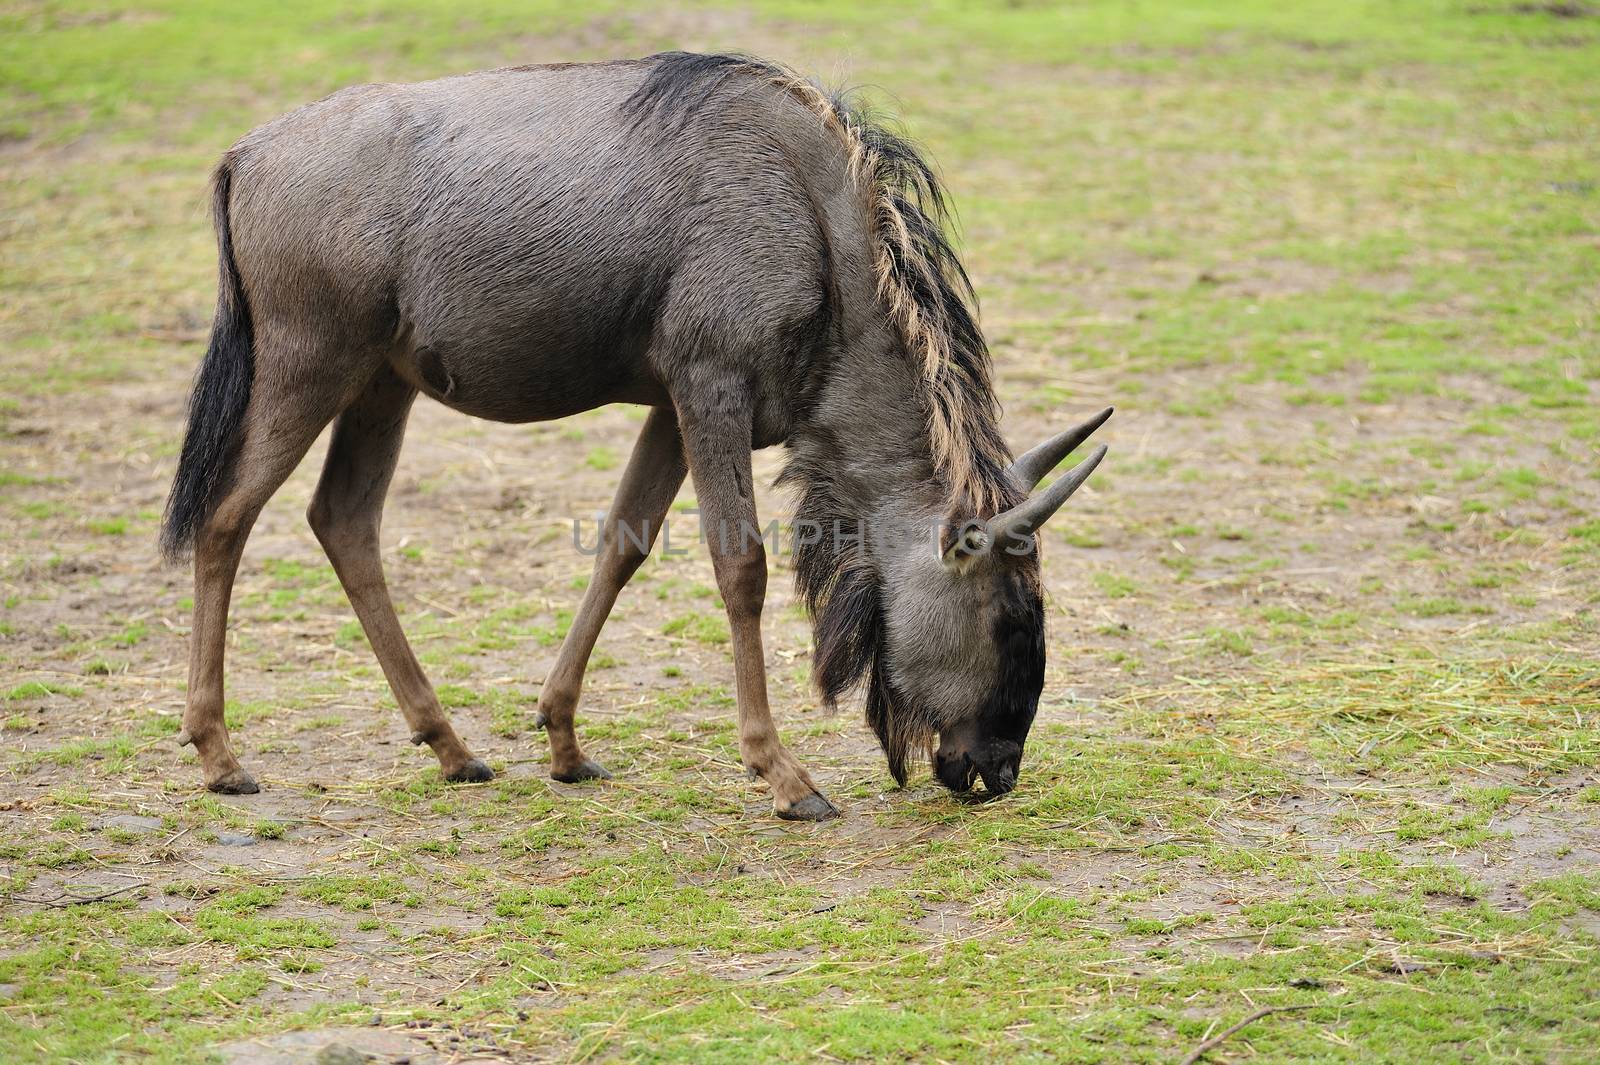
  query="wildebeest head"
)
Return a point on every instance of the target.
[{"x": 962, "y": 647}]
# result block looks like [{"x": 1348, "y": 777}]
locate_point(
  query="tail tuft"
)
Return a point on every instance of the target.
[{"x": 221, "y": 394}]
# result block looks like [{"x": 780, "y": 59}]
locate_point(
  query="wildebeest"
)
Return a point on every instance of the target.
[{"x": 752, "y": 258}]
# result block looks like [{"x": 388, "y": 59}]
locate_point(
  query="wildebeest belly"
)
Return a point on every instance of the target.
[
  {"x": 520, "y": 370},
  {"x": 511, "y": 325},
  {"x": 536, "y": 258}
]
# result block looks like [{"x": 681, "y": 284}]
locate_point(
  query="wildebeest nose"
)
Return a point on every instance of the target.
[
  {"x": 955, "y": 772},
  {"x": 1002, "y": 780}
]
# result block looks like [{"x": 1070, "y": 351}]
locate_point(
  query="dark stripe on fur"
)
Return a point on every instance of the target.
[
  {"x": 221, "y": 393},
  {"x": 1019, "y": 636},
  {"x": 680, "y": 83}
]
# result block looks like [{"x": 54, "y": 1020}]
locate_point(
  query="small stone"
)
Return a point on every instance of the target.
[
  {"x": 235, "y": 839},
  {"x": 340, "y": 1054},
  {"x": 1405, "y": 966}
]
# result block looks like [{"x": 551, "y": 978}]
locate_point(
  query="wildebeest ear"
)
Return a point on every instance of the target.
[{"x": 960, "y": 545}]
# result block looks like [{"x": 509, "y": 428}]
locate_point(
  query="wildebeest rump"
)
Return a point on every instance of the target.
[{"x": 755, "y": 260}]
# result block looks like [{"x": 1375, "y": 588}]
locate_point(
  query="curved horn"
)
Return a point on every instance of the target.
[
  {"x": 1031, "y": 468},
  {"x": 1021, "y": 520}
]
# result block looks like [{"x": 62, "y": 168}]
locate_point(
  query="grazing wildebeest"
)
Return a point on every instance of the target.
[{"x": 711, "y": 236}]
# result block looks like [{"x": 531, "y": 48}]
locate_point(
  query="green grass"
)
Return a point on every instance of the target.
[{"x": 1319, "y": 725}]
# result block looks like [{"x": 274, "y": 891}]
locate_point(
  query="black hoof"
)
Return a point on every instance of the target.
[
  {"x": 811, "y": 808},
  {"x": 237, "y": 782},
  {"x": 539, "y": 720},
  {"x": 588, "y": 769},
  {"x": 472, "y": 771}
]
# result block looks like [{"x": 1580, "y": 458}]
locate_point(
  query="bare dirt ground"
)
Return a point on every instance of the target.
[{"x": 1304, "y": 650}]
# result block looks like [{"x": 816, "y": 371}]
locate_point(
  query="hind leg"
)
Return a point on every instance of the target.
[
  {"x": 279, "y": 427},
  {"x": 346, "y": 514}
]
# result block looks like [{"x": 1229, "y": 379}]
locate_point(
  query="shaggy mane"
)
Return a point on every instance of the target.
[
  {"x": 924, "y": 289},
  {"x": 844, "y": 595}
]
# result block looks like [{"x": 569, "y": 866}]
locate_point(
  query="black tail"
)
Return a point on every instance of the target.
[{"x": 221, "y": 393}]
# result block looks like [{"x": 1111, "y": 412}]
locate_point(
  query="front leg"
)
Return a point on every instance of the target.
[
  {"x": 652, "y": 478},
  {"x": 717, "y": 445}
]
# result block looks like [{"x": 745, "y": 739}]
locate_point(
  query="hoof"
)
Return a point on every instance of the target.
[
  {"x": 472, "y": 771},
  {"x": 237, "y": 782},
  {"x": 811, "y": 808},
  {"x": 539, "y": 720},
  {"x": 588, "y": 769}
]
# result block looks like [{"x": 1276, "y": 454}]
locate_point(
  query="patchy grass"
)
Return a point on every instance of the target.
[{"x": 1319, "y": 727}]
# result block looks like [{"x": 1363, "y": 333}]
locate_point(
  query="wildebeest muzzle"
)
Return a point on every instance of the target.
[{"x": 959, "y": 762}]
